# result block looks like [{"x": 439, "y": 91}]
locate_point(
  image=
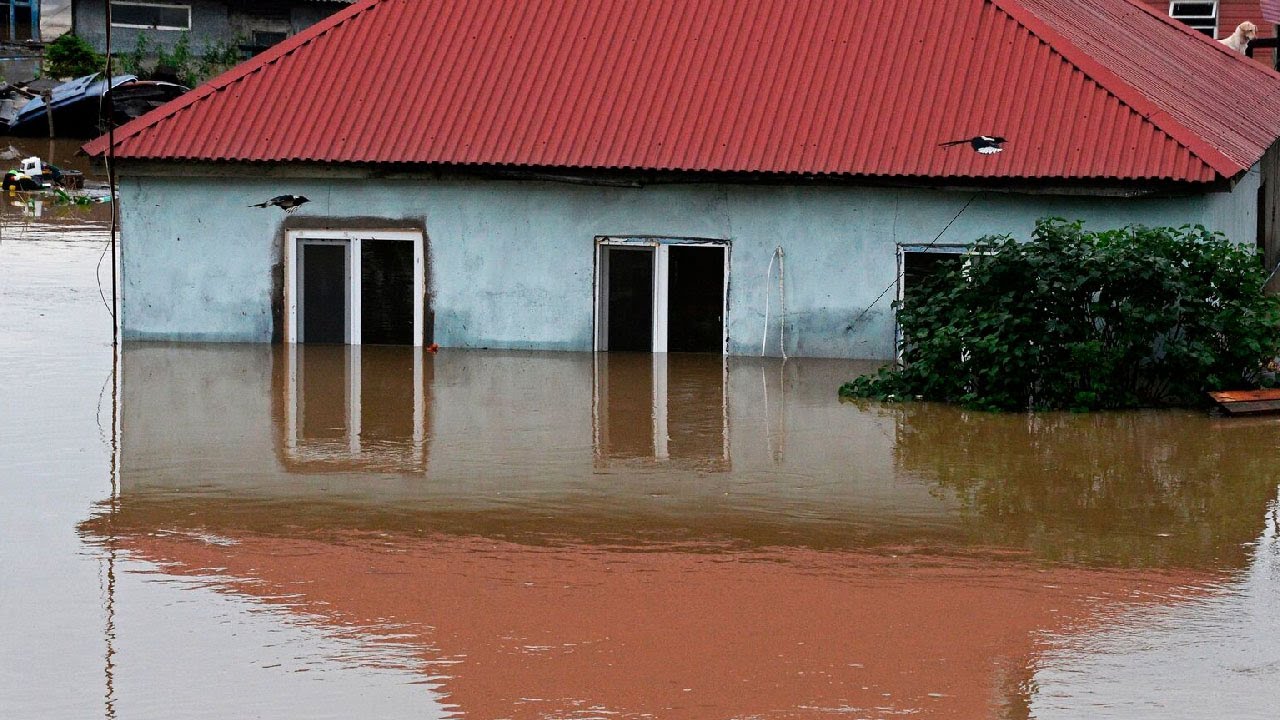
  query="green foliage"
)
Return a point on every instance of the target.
[
  {"x": 149, "y": 59},
  {"x": 71, "y": 56},
  {"x": 134, "y": 62},
  {"x": 1085, "y": 321},
  {"x": 178, "y": 59},
  {"x": 217, "y": 59}
]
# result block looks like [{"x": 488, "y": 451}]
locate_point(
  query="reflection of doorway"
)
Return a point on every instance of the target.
[
  {"x": 661, "y": 294},
  {"x": 355, "y": 408},
  {"x": 664, "y": 408},
  {"x": 355, "y": 287}
]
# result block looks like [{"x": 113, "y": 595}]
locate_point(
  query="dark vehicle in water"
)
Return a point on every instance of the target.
[{"x": 80, "y": 106}]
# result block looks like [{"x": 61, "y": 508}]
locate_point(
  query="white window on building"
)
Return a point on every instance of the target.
[
  {"x": 150, "y": 16},
  {"x": 1201, "y": 15}
]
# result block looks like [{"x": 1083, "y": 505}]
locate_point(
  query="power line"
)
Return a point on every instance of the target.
[{"x": 931, "y": 243}]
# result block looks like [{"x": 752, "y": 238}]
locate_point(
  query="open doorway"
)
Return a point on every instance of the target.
[
  {"x": 696, "y": 299},
  {"x": 661, "y": 294},
  {"x": 386, "y": 292},
  {"x": 322, "y": 287},
  {"x": 630, "y": 298},
  {"x": 917, "y": 264},
  {"x": 355, "y": 287}
]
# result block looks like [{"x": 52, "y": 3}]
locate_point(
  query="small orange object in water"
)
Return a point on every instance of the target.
[{"x": 433, "y": 348}]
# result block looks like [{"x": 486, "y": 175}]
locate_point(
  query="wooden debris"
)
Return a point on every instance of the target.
[{"x": 1247, "y": 402}]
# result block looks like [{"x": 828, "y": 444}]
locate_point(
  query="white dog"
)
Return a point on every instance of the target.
[{"x": 1239, "y": 40}]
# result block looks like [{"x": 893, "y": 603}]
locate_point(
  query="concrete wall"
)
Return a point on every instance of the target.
[
  {"x": 212, "y": 21},
  {"x": 511, "y": 263}
]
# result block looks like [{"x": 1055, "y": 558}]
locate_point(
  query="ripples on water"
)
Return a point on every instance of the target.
[{"x": 333, "y": 532}]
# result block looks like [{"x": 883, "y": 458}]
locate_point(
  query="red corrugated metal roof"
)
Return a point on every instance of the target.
[
  {"x": 1271, "y": 11},
  {"x": 1092, "y": 89}
]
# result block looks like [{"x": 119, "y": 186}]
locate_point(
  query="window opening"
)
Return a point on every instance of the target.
[
  {"x": 916, "y": 265},
  {"x": 355, "y": 287},
  {"x": 19, "y": 20},
  {"x": 1201, "y": 15},
  {"x": 153, "y": 16}
]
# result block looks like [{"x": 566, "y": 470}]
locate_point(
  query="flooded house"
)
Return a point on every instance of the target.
[
  {"x": 251, "y": 25},
  {"x": 682, "y": 175}
]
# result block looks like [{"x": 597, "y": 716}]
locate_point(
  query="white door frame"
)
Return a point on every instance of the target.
[
  {"x": 351, "y": 239},
  {"x": 661, "y": 247}
]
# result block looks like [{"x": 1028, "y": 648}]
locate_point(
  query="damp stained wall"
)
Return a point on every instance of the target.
[{"x": 511, "y": 262}]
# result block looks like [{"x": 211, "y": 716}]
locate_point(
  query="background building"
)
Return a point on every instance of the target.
[{"x": 252, "y": 24}]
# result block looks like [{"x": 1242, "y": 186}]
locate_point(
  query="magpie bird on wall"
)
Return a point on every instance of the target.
[
  {"x": 288, "y": 203},
  {"x": 983, "y": 144}
]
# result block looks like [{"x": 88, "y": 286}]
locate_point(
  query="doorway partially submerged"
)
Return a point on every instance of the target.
[
  {"x": 355, "y": 287},
  {"x": 917, "y": 264},
  {"x": 661, "y": 294}
]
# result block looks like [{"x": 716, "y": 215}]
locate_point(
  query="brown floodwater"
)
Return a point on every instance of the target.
[{"x": 281, "y": 532}]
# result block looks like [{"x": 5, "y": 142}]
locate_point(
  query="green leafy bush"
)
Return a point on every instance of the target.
[
  {"x": 134, "y": 62},
  {"x": 1084, "y": 321},
  {"x": 70, "y": 56},
  {"x": 152, "y": 60}
]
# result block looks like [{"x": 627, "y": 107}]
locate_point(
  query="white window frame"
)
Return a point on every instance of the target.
[
  {"x": 1188, "y": 20},
  {"x": 661, "y": 247},
  {"x": 351, "y": 240},
  {"x": 151, "y": 4}
]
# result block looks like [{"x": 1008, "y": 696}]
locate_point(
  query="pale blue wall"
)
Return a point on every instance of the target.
[{"x": 511, "y": 262}]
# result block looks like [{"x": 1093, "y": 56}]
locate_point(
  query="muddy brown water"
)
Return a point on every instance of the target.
[{"x": 254, "y": 531}]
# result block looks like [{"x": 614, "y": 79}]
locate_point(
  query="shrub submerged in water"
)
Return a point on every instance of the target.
[{"x": 1085, "y": 320}]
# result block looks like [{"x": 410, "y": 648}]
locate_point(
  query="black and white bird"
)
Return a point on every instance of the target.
[
  {"x": 982, "y": 144},
  {"x": 288, "y": 203}
]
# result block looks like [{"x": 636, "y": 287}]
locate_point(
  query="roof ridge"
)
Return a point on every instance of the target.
[
  {"x": 1119, "y": 88},
  {"x": 235, "y": 74}
]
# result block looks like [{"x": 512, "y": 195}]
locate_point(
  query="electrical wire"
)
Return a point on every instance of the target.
[
  {"x": 930, "y": 244},
  {"x": 111, "y": 182}
]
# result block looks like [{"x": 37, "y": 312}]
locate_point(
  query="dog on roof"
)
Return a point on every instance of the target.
[{"x": 1239, "y": 40}]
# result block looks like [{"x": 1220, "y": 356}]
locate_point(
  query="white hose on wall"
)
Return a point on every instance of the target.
[{"x": 780, "y": 258}]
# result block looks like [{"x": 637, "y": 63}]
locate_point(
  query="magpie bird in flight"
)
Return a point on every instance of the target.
[
  {"x": 288, "y": 203},
  {"x": 984, "y": 144}
]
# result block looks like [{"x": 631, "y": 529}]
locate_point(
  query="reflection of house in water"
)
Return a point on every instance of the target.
[
  {"x": 746, "y": 449},
  {"x": 470, "y": 431}
]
